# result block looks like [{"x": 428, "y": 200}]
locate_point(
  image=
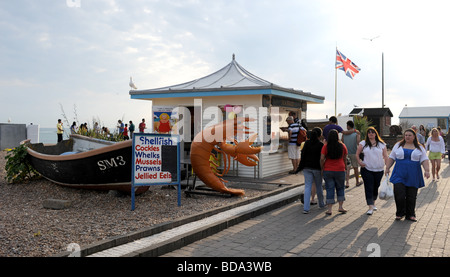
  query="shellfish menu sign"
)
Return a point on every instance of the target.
[{"x": 156, "y": 161}]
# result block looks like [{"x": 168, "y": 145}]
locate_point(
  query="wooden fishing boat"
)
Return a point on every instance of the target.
[{"x": 84, "y": 162}]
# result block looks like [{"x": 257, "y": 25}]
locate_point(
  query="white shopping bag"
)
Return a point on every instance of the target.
[{"x": 385, "y": 191}]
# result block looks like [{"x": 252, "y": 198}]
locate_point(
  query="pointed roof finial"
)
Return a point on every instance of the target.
[{"x": 233, "y": 56}]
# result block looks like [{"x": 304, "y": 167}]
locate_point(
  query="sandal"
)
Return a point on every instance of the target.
[
  {"x": 398, "y": 217},
  {"x": 343, "y": 211},
  {"x": 358, "y": 184},
  {"x": 412, "y": 218},
  {"x": 328, "y": 213}
]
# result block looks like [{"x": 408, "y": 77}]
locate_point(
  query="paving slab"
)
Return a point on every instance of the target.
[{"x": 287, "y": 232}]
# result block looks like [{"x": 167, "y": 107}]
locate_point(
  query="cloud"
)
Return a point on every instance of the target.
[{"x": 51, "y": 53}]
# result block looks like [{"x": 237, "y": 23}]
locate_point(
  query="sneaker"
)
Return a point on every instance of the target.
[
  {"x": 369, "y": 212},
  {"x": 375, "y": 208},
  {"x": 306, "y": 212}
]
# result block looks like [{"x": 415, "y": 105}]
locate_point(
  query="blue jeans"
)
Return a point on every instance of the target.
[
  {"x": 312, "y": 175},
  {"x": 334, "y": 180}
]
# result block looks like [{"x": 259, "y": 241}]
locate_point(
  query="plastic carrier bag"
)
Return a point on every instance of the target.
[{"x": 386, "y": 191}]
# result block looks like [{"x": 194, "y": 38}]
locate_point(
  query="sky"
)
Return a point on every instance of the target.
[{"x": 73, "y": 58}]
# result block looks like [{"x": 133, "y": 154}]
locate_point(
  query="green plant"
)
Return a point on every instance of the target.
[
  {"x": 362, "y": 124},
  {"x": 17, "y": 167}
]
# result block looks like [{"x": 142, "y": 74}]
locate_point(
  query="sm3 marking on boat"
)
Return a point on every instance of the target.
[{"x": 113, "y": 162}]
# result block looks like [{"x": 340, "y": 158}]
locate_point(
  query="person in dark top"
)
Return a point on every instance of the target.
[
  {"x": 294, "y": 116},
  {"x": 333, "y": 124},
  {"x": 131, "y": 129},
  {"x": 310, "y": 164}
]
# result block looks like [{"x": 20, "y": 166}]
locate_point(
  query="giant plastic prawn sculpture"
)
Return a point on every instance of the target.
[{"x": 214, "y": 138}]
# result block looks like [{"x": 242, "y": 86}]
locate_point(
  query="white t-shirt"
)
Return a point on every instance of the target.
[{"x": 373, "y": 156}]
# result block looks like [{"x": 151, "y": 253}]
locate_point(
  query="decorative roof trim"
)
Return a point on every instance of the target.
[{"x": 310, "y": 98}]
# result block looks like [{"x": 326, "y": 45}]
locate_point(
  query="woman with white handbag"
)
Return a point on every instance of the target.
[
  {"x": 407, "y": 177},
  {"x": 372, "y": 165}
]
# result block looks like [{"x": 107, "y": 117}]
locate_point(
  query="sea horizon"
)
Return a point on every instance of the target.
[{"x": 48, "y": 134}]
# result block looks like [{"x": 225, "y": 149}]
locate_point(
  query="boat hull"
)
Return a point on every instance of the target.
[{"x": 106, "y": 168}]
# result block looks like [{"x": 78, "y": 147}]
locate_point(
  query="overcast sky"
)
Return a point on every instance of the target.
[{"x": 80, "y": 54}]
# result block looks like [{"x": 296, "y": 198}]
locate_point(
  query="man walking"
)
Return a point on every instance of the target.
[{"x": 351, "y": 141}]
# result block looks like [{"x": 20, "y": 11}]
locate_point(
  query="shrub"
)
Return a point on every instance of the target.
[
  {"x": 362, "y": 124},
  {"x": 17, "y": 167}
]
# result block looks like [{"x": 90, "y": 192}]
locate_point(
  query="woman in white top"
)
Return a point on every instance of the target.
[
  {"x": 435, "y": 144},
  {"x": 408, "y": 156},
  {"x": 372, "y": 165}
]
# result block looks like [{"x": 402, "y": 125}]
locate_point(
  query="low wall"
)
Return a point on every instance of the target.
[{"x": 12, "y": 134}]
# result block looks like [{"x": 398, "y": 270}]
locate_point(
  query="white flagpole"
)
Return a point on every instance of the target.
[{"x": 335, "y": 84}]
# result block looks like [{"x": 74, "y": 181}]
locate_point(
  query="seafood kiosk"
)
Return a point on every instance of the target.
[{"x": 231, "y": 92}]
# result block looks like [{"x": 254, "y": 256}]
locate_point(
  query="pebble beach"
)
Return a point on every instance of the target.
[{"x": 27, "y": 229}]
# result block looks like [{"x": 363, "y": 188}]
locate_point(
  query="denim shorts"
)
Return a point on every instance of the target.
[{"x": 334, "y": 182}]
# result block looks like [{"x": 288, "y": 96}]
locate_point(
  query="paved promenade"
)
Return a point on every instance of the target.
[{"x": 287, "y": 232}]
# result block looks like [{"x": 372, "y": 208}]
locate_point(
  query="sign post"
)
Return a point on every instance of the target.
[{"x": 156, "y": 161}]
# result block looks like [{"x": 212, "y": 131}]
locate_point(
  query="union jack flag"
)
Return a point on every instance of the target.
[{"x": 346, "y": 65}]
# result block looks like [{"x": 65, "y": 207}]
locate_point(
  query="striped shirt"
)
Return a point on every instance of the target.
[{"x": 294, "y": 128}]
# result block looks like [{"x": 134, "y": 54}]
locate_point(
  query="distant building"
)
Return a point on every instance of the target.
[
  {"x": 429, "y": 117},
  {"x": 380, "y": 118}
]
